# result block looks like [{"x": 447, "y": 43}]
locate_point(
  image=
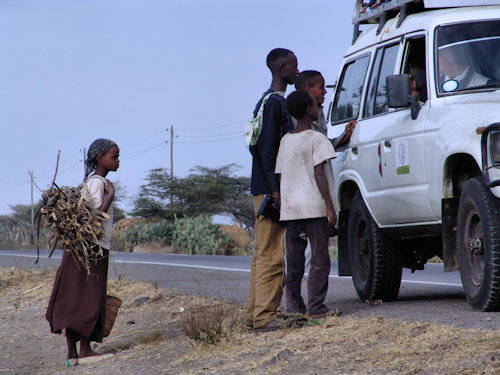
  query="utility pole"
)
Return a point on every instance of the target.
[
  {"x": 172, "y": 154},
  {"x": 84, "y": 165},
  {"x": 171, "y": 164},
  {"x": 32, "y": 208}
]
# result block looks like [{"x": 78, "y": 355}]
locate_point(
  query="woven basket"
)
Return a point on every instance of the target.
[{"x": 112, "y": 306}]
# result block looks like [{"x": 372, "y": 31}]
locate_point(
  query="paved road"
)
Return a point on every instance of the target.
[{"x": 427, "y": 296}]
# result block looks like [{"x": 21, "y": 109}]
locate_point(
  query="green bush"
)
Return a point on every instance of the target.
[
  {"x": 160, "y": 232},
  {"x": 198, "y": 235}
]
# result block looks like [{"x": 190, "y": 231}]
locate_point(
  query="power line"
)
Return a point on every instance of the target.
[
  {"x": 143, "y": 140},
  {"x": 42, "y": 171},
  {"x": 213, "y": 135},
  {"x": 209, "y": 138},
  {"x": 215, "y": 140},
  {"x": 70, "y": 157},
  {"x": 69, "y": 168},
  {"x": 217, "y": 126},
  {"x": 141, "y": 152}
]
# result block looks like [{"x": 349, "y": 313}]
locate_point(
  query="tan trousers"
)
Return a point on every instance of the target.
[{"x": 267, "y": 275}]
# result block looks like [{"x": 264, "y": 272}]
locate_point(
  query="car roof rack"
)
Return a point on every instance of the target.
[{"x": 402, "y": 8}]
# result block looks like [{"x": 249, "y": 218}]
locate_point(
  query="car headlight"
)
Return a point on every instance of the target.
[{"x": 495, "y": 148}]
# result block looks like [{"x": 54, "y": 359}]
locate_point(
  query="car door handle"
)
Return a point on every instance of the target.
[
  {"x": 354, "y": 150},
  {"x": 388, "y": 143}
]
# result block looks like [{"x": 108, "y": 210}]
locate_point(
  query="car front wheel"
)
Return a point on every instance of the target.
[
  {"x": 375, "y": 266},
  {"x": 478, "y": 245}
]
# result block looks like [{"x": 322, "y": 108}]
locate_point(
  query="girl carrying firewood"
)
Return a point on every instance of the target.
[{"x": 78, "y": 300}]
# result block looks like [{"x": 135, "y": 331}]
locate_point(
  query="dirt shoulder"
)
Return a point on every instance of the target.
[{"x": 148, "y": 339}]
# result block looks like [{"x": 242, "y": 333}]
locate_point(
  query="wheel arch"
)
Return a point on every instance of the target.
[
  {"x": 345, "y": 195},
  {"x": 457, "y": 169}
]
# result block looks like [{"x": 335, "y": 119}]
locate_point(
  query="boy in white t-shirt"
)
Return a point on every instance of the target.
[{"x": 306, "y": 204}]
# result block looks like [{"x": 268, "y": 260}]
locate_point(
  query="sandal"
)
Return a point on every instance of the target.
[
  {"x": 70, "y": 362},
  {"x": 94, "y": 358}
]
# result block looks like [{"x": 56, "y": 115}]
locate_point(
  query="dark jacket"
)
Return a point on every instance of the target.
[{"x": 276, "y": 122}]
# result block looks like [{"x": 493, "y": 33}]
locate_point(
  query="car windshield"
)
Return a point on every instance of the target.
[{"x": 468, "y": 56}]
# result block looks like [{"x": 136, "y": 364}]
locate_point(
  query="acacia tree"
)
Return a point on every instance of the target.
[
  {"x": 120, "y": 195},
  {"x": 211, "y": 191},
  {"x": 16, "y": 227}
]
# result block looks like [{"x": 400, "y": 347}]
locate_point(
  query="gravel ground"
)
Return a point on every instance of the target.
[
  {"x": 436, "y": 304},
  {"x": 148, "y": 339}
]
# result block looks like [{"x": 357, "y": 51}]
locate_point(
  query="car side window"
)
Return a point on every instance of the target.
[
  {"x": 372, "y": 85},
  {"x": 385, "y": 62},
  {"x": 414, "y": 66},
  {"x": 350, "y": 88}
]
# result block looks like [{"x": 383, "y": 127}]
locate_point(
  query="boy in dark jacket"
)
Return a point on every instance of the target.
[{"x": 266, "y": 275}]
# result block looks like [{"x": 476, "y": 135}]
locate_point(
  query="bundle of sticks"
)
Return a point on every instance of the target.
[{"x": 73, "y": 223}]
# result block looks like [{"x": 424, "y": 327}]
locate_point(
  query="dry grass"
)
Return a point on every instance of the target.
[
  {"x": 211, "y": 324},
  {"x": 121, "y": 227},
  {"x": 148, "y": 338},
  {"x": 237, "y": 233}
]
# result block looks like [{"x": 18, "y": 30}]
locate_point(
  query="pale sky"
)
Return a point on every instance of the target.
[{"x": 72, "y": 71}]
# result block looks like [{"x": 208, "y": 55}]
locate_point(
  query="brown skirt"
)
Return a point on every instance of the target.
[{"x": 78, "y": 300}]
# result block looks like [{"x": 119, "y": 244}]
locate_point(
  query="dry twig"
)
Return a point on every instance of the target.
[{"x": 74, "y": 223}]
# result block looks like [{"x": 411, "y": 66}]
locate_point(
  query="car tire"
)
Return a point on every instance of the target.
[
  {"x": 375, "y": 265},
  {"x": 478, "y": 245}
]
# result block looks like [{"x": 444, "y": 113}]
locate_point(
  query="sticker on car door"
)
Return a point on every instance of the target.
[{"x": 402, "y": 157}]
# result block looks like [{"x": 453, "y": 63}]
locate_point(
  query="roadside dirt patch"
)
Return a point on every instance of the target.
[{"x": 148, "y": 339}]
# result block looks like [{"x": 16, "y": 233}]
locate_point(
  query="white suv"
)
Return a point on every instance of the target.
[{"x": 421, "y": 174}]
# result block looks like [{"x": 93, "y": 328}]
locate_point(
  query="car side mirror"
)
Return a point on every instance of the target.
[{"x": 399, "y": 95}]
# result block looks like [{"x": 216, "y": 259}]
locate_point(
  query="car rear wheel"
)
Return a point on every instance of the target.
[
  {"x": 478, "y": 245},
  {"x": 375, "y": 266}
]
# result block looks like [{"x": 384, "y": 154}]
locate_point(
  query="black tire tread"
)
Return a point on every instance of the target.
[
  {"x": 384, "y": 276},
  {"x": 490, "y": 205}
]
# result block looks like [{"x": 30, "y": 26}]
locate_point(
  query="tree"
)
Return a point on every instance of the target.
[
  {"x": 152, "y": 198},
  {"x": 8, "y": 228},
  {"x": 16, "y": 227},
  {"x": 120, "y": 195},
  {"x": 211, "y": 191}
]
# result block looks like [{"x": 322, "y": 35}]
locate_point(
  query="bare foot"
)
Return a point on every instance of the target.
[
  {"x": 87, "y": 354},
  {"x": 85, "y": 349},
  {"x": 71, "y": 339}
]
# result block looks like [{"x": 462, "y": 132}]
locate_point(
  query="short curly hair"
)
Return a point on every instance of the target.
[
  {"x": 298, "y": 102},
  {"x": 304, "y": 78},
  {"x": 275, "y": 55}
]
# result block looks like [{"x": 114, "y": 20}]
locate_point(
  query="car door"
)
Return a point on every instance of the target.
[
  {"x": 353, "y": 163},
  {"x": 401, "y": 148},
  {"x": 374, "y": 119}
]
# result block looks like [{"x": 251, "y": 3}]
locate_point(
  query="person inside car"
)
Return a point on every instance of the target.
[{"x": 455, "y": 73}]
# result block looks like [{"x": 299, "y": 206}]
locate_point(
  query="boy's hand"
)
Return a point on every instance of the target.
[
  {"x": 277, "y": 197},
  {"x": 332, "y": 216},
  {"x": 349, "y": 128}
]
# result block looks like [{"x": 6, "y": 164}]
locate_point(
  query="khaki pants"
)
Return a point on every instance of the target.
[{"x": 266, "y": 275}]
